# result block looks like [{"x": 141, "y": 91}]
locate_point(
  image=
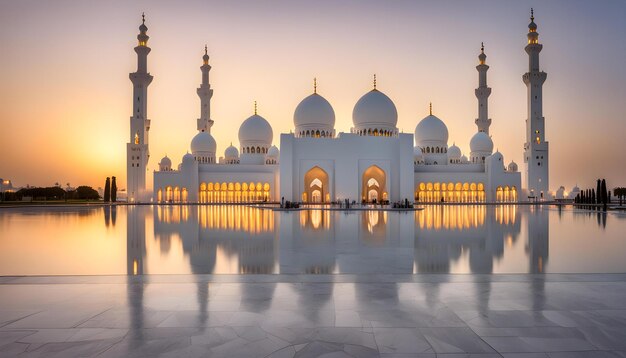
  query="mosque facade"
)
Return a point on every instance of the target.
[{"x": 373, "y": 162}]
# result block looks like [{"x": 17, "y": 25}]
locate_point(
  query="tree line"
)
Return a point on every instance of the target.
[
  {"x": 83, "y": 192},
  {"x": 599, "y": 195},
  {"x": 620, "y": 192}
]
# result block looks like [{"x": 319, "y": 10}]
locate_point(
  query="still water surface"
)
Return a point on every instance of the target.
[{"x": 248, "y": 240}]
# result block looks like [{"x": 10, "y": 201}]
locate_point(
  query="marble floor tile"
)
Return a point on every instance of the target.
[
  {"x": 537, "y": 344},
  {"x": 401, "y": 340},
  {"x": 455, "y": 340},
  {"x": 513, "y": 316}
]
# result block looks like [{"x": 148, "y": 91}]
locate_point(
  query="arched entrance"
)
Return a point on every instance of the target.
[
  {"x": 316, "y": 188},
  {"x": 373, "y": 185}
]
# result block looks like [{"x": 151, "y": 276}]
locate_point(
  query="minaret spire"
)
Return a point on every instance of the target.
[
  {"x": 374, "y": 81},
  {"x": 536, "y": 147},
  {"x": 315, "y": 85},
  {"x": 482, "y": 92},
  {"x": 430, "y": 107},
  {"x": 137, "y": 150},
  {"x": 204, "y": 123},
  {"x": 255, "y": 108}
]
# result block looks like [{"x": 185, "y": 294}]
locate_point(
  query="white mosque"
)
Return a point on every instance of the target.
[{"x": 373, "y": 162}]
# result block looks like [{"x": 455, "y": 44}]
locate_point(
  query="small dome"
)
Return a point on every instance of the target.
[
  {"x": 203, "y": 142},
  {"x": 575, "y": 189},
  {"x": 273, "y": 152},
  {"x": 464, "y": 159},
  {"x": 375, "y": 110},
  {"x": 431, "y": 129},
  {"x": 481, "y": 142},
  {"x": 188, "y": 158},
  {"x": 512, "y": 167},
  {"x": 454, "y": 152},
  {"x": 143, "y": 27},
  {"x": 497, "y": 156},
  {"x": 256, "y": 129},
  {"x": 417, "y": 152},
  {"x": 314, "y": 112},
  {"x": 231, "y": 152},
  {"x": 165, "y": 162}
]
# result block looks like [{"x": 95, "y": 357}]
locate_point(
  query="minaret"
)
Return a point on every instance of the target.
[
  {"x": 535, "y": 148},
  {"x": 482, "y": 93},
  {"x": 137, "y": 153},
  {"x": 205, "y": 93}
]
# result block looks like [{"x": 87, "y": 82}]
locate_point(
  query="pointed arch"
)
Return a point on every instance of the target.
[
  {"x": 316, "y": 188},
  {"x": 373, "y": 184}
]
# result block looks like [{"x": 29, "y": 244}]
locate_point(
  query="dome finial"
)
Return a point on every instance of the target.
[
  {"x": 482, "y": 47},
  {"x": 532, "y": 14},
  {"x": 255, "y": 107},
  {"x": 314, "y": 84},
  {"x": 431, "y": 108},
  {"x": 374, "y": 81},
  {"x": 143, "y": 18},
  {"x": 206, "y": 50}
]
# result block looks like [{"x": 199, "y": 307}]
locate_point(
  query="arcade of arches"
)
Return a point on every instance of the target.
[
  {"x": 218, "y": 193},
  {"x": 461, "y": 193},
  {"x": 450, "y": 192},
  {"x": 233, "y": 192},
  {"x": 172, "y": 195},
  {"x": 316, "y": 188},
  {"x": 506, "y": 194}
]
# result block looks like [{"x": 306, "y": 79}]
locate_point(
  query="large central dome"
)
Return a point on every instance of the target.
[
  {"x": 375, "y": 111},
  {"x": 256, "y": 130},
  {"x": 313, "y": 114},
  {"x": 203, "y": 142},
  {"x": 431, "y": 131}
]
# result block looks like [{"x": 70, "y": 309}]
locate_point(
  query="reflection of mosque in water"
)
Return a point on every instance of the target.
[
  {"x": 220, "y": 239},
  {"x": 447, "y": 234},
  {"x": 323, "y": 241},
  {"x": 439, "y": 239}
]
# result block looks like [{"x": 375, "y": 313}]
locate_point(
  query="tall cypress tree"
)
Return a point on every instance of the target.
[
  {"x": 593, "y": 196},
  {"x": 113, "y": 190},
  {"x": 107, "y": 190},
  {"x": 605, "y": 195},
  {"x": 598, "y": 191}
]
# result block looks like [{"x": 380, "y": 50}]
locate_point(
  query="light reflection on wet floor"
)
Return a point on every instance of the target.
[{"x": 362, "y": 316}]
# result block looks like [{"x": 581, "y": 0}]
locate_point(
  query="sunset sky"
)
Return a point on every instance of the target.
[{"x": 65, "y": 96}]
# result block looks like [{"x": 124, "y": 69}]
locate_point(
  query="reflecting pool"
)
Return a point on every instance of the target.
[{"x": 238, "y": 239}]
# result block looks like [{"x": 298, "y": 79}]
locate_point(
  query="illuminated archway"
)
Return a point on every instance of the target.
[
  {"x": 499, "y": 194},
  {"x": 374, "y": 180},
  {"x": 316, "y": 189}
]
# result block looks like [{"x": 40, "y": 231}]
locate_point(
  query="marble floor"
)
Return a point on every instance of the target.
[{"x": 550, "y": 315}]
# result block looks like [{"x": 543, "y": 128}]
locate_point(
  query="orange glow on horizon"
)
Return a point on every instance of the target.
[{"x": 68, "y": 99}]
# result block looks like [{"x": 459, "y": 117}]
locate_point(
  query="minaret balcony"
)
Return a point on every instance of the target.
[
  {"x": 482, "y": 92},
  {"x": 534, "y": 78}
]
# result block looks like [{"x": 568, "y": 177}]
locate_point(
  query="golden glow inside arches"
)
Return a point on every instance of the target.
[
  {"x": 506, "y": 194},
  {"x": 234, "y": 192},
  {"x": 450, "y": 192}
]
